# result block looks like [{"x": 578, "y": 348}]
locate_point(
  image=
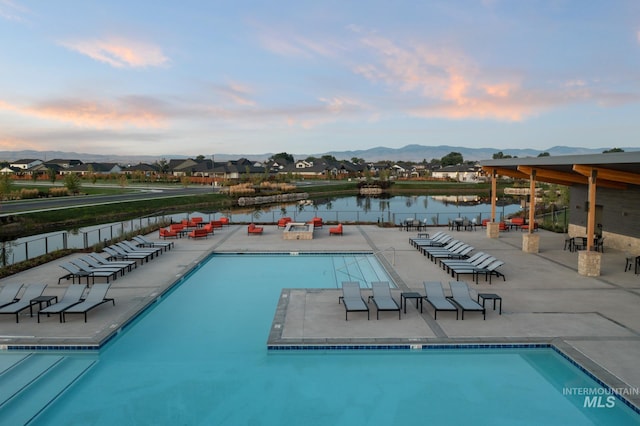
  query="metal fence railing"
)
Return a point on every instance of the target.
[{"x": 30, "y": 247}]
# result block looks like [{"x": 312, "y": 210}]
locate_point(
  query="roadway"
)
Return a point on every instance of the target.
[{"x": 9, "y": 208}]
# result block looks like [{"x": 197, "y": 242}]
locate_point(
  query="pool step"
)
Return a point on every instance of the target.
[{"x": 35, "y": 381}]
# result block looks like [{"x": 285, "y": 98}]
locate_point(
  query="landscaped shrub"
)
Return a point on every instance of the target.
[
  {"x": 28, "y": 193},
  {"x": 58, "y": 192}
]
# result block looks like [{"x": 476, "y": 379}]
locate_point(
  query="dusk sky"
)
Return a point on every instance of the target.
[{"x": 247, "y": 77}]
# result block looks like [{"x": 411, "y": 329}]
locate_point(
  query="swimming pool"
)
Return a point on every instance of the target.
[{"x": 199, "y": 357}]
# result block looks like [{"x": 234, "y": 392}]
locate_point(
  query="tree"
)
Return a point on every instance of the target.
[
  {"x": 451, "y": 159},
  {"x": 52, "y": 175},
  {"x": 499, "y": 155},
  {"x": 6, "y": 184},
  {"x": 283, "y": 157},
  {"x": 356, "y": 160},
  {"x": 72, "y": 183},
  {"x": 200, "y": 158},
  {"x": 607, "y": 151},
  {"x": 163, "y": 166},
  {"x": 544, "y": 154}
]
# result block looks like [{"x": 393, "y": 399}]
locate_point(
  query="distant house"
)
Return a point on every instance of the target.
[
  {"x": 235, "y": 169},
  {"x": 323, "y": 168},
  {"x": 25, "y": 164},
  {"x": 459, "y": 173},
  {"x": 93, "y": 168},
  {"x": 146, "y": 169},
  {"x": 9, "y": 170},
  {"x": 63, "y": 163}
]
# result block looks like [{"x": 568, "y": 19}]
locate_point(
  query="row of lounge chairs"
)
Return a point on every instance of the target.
[
  {"x": 460, "y": 298},
  {"x": 120, "y": 258},
  {"x": 78, "y": 299},
  {"x": 73, "y": 302},
  {"x": 455, "y": 257}
]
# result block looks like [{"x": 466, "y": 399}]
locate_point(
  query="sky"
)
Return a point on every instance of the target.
[{"x": 206, "y": 77}]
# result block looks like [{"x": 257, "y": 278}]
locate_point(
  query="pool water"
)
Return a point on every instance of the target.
[{"x": 199, "y": 357}]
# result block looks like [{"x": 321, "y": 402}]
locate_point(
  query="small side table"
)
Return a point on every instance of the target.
[
  {"x": 423, "y": 235},
  {"x": 410, "y": 295},
  {"x": 490, "y": 296},
  {"x": 39, "y": 301}
]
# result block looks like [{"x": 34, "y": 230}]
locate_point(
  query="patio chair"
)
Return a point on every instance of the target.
[
  {"x": 9, "y": 293},
  {"x": 165, "y": 233},
  {"x": 461, "y": 252},
  {"x": 95, "y": 297},
  {"x": 132, "y": 247},
  {"x": 101, "y": 260},
  {"x": 474, "y": 260},
  {"x": 382, "y": 298},
  {"x": 32, "y": 291},
  {"x": 460, "y": 269},
  {"x": 490, "y": 270},
  {"x": 414, "y": 240},
  {"x": 72, "y": 296},
  {"x": 336, "y": 230},
  {"x": 352, "y": 299},
  {"x": 73, "y": 272},
  {"x": 452, "y": 244},
  {"x": 282, "y": 222},
  {"x": 252, "y": 229},
  {"x": 460, "y": 296},
  {"x": 107, "y": 273},
  {"x": 85, "y": 261},
  {"x": 434, "y": 242},
  {"x": 143, "y": 242},
  {"x": 435, "y": 297},
  {"x": 116, "y": 252}
]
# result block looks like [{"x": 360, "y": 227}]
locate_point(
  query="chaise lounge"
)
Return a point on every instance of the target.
[
  {"x": 382, "y": 298},
  {"x": 72, "y": 296},
  {"x": 352, "y": 299},
  {"x": 32, "y": 291},
  {"x": 143, "y": 242},
  {"x": 435, "y": 297},
  {"x": 9, "y": 293},
  {"x": 96, "y": 297},
  {"x": 461, "y": 297}
]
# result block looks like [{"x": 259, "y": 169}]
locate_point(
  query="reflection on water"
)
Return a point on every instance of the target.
[{"x": 436, "y": 210}]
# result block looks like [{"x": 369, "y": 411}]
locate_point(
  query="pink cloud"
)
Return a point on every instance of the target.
[
  {"x": 449, "y": 84},
  {"x": 120, "y": 53},
  {"x": 85, "y": 113}
]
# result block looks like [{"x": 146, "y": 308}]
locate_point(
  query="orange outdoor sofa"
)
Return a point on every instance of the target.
[
  {"x": 336, "y": 230},
  {"x": 252, "y": 229}
]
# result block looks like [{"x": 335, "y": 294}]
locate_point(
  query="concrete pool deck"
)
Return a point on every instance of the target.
[{"x": 595, "y": 320}]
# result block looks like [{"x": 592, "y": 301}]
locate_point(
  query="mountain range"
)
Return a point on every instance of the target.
[{"x": 415, "y": 153}]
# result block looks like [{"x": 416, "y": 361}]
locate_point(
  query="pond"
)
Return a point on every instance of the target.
[{"x": 436, "y": 209}]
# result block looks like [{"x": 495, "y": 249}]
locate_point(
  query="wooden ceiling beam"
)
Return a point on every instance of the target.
[
  {"x": 543, "y": 174},
  {"x": 505, "y": 172},
  {"x": 609, "y": 174}
]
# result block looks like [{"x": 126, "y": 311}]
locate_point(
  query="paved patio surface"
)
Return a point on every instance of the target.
[{"x": 594, "y": 320}]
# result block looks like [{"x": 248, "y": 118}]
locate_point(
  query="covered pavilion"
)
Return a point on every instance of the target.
[{"x": 610, "y": 182}]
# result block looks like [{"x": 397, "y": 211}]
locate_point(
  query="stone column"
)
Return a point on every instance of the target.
[
  {"x": 530, "y": 243},
  {"x": 493, "y": 229},
  {"x": 589, "y": 263}
]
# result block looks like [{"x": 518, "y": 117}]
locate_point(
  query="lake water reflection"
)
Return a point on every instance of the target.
[{"x": 436, "y": 210}]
